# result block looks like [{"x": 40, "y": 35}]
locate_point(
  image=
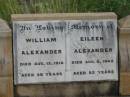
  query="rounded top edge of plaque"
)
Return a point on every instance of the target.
[
  {"x": 5, "y": 30},
  {"x": 64, "y": 16}
]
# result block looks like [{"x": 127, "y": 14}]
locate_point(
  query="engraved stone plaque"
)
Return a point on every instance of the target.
[
  {"x": 39, "y": 48},
  {"x": 92, "y": 50},
  {"x": 51, "y": 51}
]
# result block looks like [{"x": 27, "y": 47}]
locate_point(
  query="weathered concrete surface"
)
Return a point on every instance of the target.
[
  {"x": 5, "y": 31},
  {"x": 6, "y": 87},
  {"x": 62, "y": 16},
  {"x": 125, "y": 22},
  {"x": 6, "y": 71},
  {"x": 67, "y": 90},
  {"x": 81, "y": 89},
  {"x": 124, "y": 47},
  {"x": 6, "y": 56},
  {"x": 125, "y": 83}
]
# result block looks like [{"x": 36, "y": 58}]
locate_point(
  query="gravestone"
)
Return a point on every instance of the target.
[
  {"x": 65, "y": 55},
  {"x": 124, "y": 40},
  {"x": 6, "y": 73}
]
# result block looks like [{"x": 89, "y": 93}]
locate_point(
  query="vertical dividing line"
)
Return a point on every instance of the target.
[
  {"x": 13, "y": 60},
  {"x": 119, "y": 62},
  {"x": 66, "y": 51},
  {"x": 14, "y": 50},
  {"x": 67, "y": 72}
]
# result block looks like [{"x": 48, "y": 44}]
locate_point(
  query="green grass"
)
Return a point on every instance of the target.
[{"x": 8, "y": 7}]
